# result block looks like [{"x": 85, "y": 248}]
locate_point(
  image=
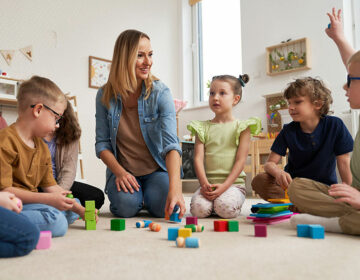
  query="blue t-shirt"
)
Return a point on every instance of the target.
[{"x": 313, "y": 155}]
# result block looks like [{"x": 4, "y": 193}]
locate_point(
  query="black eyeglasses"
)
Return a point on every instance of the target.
[
  {"x": 58, "y": 117},
  {"x": 351, "y": 78}
]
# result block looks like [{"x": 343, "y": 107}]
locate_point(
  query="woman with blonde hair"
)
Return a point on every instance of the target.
[{"x": 136, "y": 133}]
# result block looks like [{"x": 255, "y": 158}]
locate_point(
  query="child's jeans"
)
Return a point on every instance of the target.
[
  {"x": 18, "y": 236},
  {"x": 227, "y": 205},
  {"x": 47, "y": 217},
  {"x": 153, "y": 192}
]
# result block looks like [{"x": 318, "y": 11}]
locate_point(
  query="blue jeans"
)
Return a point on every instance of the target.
[
  {"x": 47, "y": 217},
  {"x": 153, "y": 191},
  {"x": 18, "y": 236}
]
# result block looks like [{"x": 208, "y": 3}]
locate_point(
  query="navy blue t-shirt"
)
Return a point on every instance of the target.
[{"x": 313, "y": 155}]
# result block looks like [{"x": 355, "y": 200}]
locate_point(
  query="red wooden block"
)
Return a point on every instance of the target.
[
  {"x": 221, "y": 226},
  {"x": 260, "y": 230},
  {"x": 191, "y": 220}
]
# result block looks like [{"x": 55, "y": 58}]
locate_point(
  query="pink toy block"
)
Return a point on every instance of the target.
[
  {"x": 191, "y": 221},
  {"x": 260, "y": 230},
  {"x": 44, "y": 240}
]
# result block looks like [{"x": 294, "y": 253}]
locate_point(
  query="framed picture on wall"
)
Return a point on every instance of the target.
[{"x": 99, "y": 70}]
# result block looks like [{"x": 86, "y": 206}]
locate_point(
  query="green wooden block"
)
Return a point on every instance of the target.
[
  {"x": 90, "y": 205},
  {"x": 90, "y": 225},
  {"x": 193, "y": 227},
  {"x": 233, "y": 225},
  {"x": 69, "y": 195},
  {"x": 90, "y": 215},
  {"x": 272, "y": 210},
  {"x": 118, "y": 224}
]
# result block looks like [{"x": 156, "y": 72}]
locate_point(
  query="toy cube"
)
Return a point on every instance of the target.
[
  {"x": 199, "y": 228},
  {"x": 192, "y": 242},
  {"x": 260, "y": 230},
  {"x": 191, "y": 220},
  {"x": 317, "y": 231},
  {"x": 303, "y": 230},
  {"x": 185, "y": 232},
  {"x": 90, "y": 205},
  {"x": 117, "y": 224},
  {"x": 69, "y": 195},
  {"x": 90, "y": 225},
  {"x": 44, "y": 240},
  {"x": 192, "y": 227},
  {"x": 221, "y": 225},
  {"x": 233, "y": 225},
  {"x": 90, "y": 215},
  {"x": 175, "y": 218},
  {"x": 173, "y": 233}
]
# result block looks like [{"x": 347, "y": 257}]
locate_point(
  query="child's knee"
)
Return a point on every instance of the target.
[
  {"x": 59, "y": 225},
  {"x": 200, "y": 206},
  {"x": 227, "y": 209}
]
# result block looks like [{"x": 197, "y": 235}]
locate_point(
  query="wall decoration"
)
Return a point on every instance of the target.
[
  {"x": 8, "y": 55},
  {"x": 274, "y": 103},
  {"x": 99, "y": 70},
  {"x": 288, "y": 56},
  {"x": 27, "y": 51}
]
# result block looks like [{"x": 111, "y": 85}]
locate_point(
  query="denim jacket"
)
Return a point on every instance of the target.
[{"x": 157, "y": 119}]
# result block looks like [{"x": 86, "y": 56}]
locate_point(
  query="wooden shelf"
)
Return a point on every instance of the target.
[{"x": 12, "y": 102}]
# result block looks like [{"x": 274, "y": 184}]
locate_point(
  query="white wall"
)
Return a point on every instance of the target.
[{"x": 65, "y": 33}]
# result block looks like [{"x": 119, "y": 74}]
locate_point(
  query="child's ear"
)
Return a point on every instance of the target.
[
  {"x": 36, "y": 110},
  {"x": 236, "y": 99},
  {"x": 318, "y": 104}
]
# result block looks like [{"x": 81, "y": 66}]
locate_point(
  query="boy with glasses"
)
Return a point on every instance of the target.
[{"x": 25, "y": 161}]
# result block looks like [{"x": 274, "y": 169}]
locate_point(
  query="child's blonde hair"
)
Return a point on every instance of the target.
[
  {"x": 122, "y": 77},
  {"x": 38, "y": 90},
  {"x": 236, "y": 83},
  {"x": 69, "y": 129},
  {"x": 314, "y": 89},
  {"x": 354, "y": 58}
]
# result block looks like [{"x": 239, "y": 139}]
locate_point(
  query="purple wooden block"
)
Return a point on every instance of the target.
[
  {"x": 260, "y": 230},
  {"x": 191, "y": 221}
]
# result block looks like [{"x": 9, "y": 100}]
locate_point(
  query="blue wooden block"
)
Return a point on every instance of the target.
[
  {"x": 173, "y": 233},
  {"x": 175, "y": 218},
  {"x": 147, "y": 223},
  {"x": 303, "y": 231},
  {"x": 317, "y": 231},
  {"x": 192, "y": 242}
]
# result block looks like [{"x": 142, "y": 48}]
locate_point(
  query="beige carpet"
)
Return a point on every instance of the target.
[{"x": 142, "y": 254}]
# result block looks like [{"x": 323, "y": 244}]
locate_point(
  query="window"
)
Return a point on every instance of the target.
[{"x": 216, "y": 43}]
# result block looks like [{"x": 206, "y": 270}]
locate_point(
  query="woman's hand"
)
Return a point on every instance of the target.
[
  {"x": 345, "y": 193},
  {"x": 126, "y": 182},
  {"x": 9, "y": 201},
  {"x": 175, "y": 198}
]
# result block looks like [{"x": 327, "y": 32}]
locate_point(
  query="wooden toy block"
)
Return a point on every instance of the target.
[
  {"x": 180, "y": 242},
  {"x": 303, "y": 230},
  {"x": 279, "y": 200},
  {"x": 70, "y": 195},
  {"x": 173, "y": 233},
  {"x": 167, "y": 217},
  {"x": 317, "y": 231},
  {"x": 118, "y": 224},
  {"x": 191, "y": 220},
  {"x": 175, "y": 218},
  {"x": 185, "y": 232},
  {"x": 90, "y": 225},
  {"x": 90, "y": 215},
  {"x": 90, "y": 205},
  {"x": 233, "y": 225},
  {"x": 154, "y": 227},
  {"x": 44, "y": 240},
  {"x": 192, "y": 242},
  {"x": 260, "y": 230},
  {"x": 140, "y": 224},
  {"x": 220, "y": 225},
  {"x": 147, "y": 223},
  {"x": 199, "y": 228},
  {"x": 192, "y": 227}
]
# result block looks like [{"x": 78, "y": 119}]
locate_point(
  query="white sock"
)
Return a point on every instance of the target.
[{"x": 329, "y": 224}]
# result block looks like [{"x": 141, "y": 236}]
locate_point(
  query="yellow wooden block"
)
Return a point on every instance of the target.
[
  {"x": 286, "y": 194},
  {"x": 185, "y": 232},
  {"x": 279, "y": 200}
]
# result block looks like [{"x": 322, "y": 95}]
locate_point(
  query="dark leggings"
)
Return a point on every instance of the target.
[{"x": 85, "y": 192}]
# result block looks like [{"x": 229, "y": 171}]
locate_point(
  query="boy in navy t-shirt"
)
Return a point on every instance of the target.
[{"x": 316, "y": 142}]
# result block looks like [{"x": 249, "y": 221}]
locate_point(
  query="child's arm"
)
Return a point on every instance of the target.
[
  {"x": 343, "y": 164},
  {"x": 241, "y": 155},
  {"x": 199, "y": 151},
  {"x": 282, "y": 178},
  {"x": 336, "y": 33}
]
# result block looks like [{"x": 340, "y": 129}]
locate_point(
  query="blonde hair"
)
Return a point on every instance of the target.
[
  {"x": 38, "y": 90},
  {"x": 314, "y": 89},
  {"x": 122, "y": 77},
  {"x": 354, "y": 58}
]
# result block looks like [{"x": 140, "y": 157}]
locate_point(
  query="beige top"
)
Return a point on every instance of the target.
[
  {"x": 21, "y": 166},
  {"x": 133, "y": 153}
]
